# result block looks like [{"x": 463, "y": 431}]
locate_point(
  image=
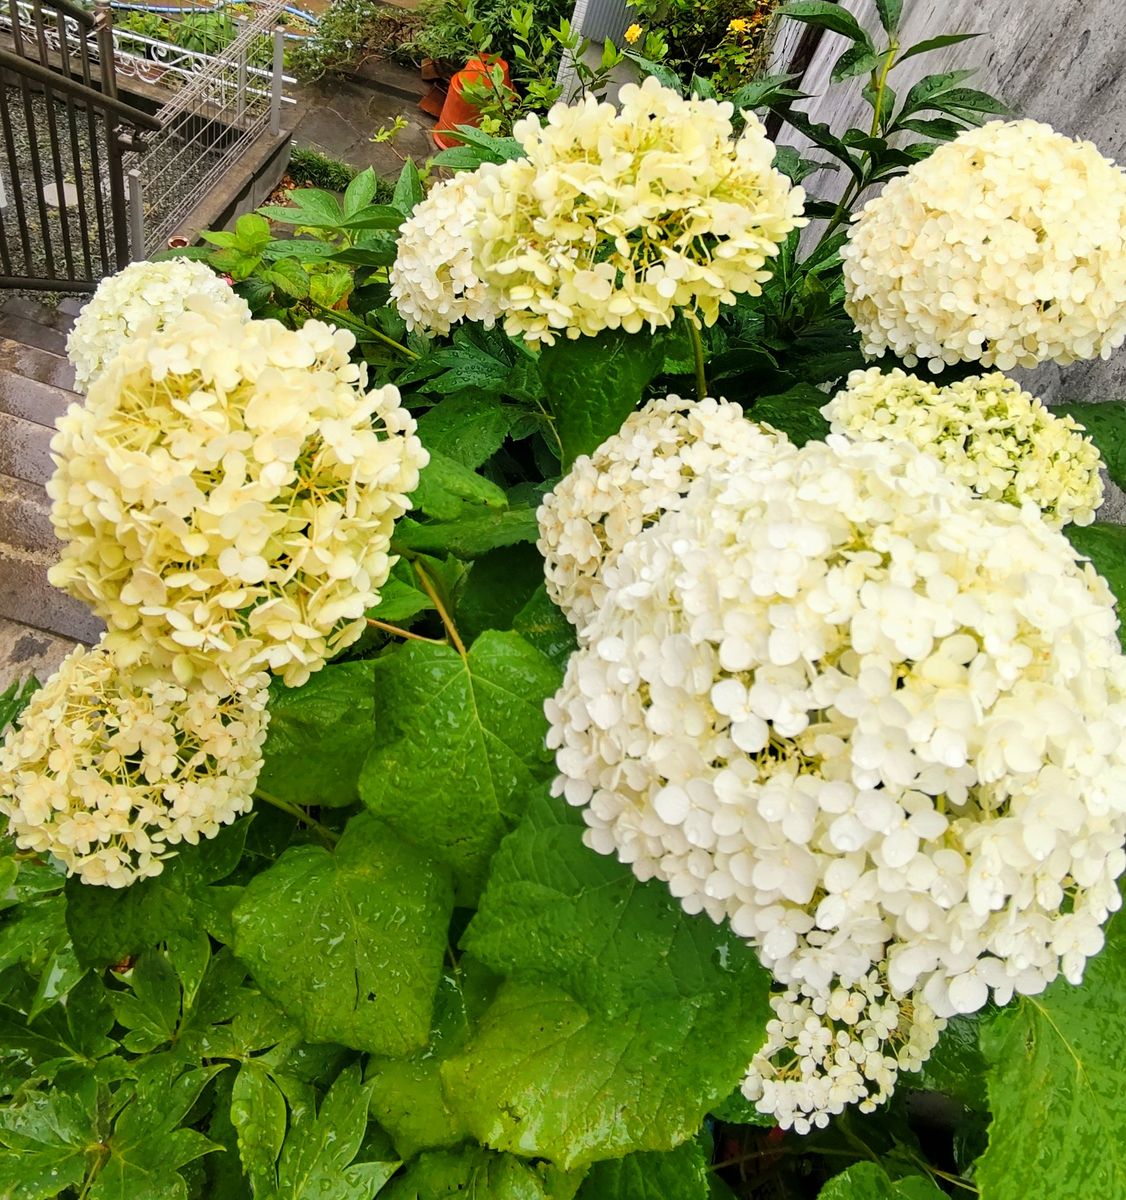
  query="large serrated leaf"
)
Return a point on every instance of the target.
[
  {"x": 350, "y": 943},
  {"x": 680, "y": 1174},
  {"x": 624, "y": 1019},
  {"x": 869, "y": 1181},
  {"x": 1057, "y": 1087},
  {"x": 461, "y": 746}
]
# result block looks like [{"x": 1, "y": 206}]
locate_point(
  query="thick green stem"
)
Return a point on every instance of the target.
[
  {"x": 881, "y": 87},
  {"x": 697, "y": 355},
  {"x": 300, "y": 814}
]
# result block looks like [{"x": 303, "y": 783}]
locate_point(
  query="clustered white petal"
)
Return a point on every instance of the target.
[
  {"x": 141, "y": 299},
  {"x": 110, "y": 769},
  {"x": 614, "y": 219},
  {"x": 868, "y": 718},
  {"x": 643, "y": 471},
  {"x": 433, "y": 280},
  {"x": 987, "y": 431},
  {"x": 1007, "y": 246},
  {"x": 829, "y": 1048},
  {"x": 226, "y": 496}
]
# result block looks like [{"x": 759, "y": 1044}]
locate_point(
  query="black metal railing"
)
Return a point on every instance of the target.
[{"x": 64, "y": 223}]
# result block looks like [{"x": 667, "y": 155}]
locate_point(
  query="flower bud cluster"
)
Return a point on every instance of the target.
[
  {"x": 987, "y": 431},
  {"x": 828, "y": 1048},
  {"x": 1007, "y": 246}
]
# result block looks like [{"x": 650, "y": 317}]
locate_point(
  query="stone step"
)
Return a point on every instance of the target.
[
  {"x": 25, "y": 449},
  {"x": 32, "y": 362},
  {"x": 41, "y": 314},
  {"x": 31, "y": 333},
  {"x": 73, "y": 305},
  {"x": 32, "y": 400},
  {"x": 25, "y": 516},
  {"x": 27, "y": 597},
  {"x": 25, "y": 651}
]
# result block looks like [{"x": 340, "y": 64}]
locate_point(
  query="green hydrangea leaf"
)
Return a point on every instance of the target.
[
  {"x": 868, "y": 1181},
  {"x": 594, "y": 383},
  {"x": 44, "y": 1141},
  {"x": 1105, "y": 545},
  {"x": 400, "y": 598},
  {"x": 258, "y": 1114},
  {"x": 1105, "y": 424},
  {"x": 459, "y": 747},
  {"x": 797, "y": 413},
  {"x": 406, "y": 1093},
  {"x": 319, "y": 736},
  {"x": 349, "y": 943},
  {"x": 468, "y": 428},
  {"x": 680, "y": 1174},
  {"x": 316, "y": 1159},
  {"x": 108, "y": 925},
  {"x": 625, "y": 1020},
  {"x": 543, "y": 624},
  {"x": 448, "y": 490},
  {"x": 1057, "y": 1087},
  {"x": 956, "y": 1066},
  {"x": 475, "y": 1173},
  {"x": 500, "y": 584},
  {"x": 470, "y": 536}
]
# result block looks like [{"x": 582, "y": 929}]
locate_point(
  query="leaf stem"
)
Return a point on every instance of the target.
[
  {"x": 360, "y": 328},
  {"x": 405, "y": 633},
  {"x": 300, "y": 814},
  {"x": 881, "y": 86},
  {"x": 390, "y": 341},
  {"x": 697, "y": 354},
  {"x": 429, "y": 588}
]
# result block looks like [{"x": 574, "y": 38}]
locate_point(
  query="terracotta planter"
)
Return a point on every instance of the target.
[{"x": 457, "y": 110}]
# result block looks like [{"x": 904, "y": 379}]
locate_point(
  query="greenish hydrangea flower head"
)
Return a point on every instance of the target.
[{"x": 986, "y": 431}]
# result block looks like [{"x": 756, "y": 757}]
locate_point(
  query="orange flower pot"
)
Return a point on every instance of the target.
[{"x": 457, "y": 110}]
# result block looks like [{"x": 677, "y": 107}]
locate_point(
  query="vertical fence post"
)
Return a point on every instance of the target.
[
  {"x": 240, "y": 88},
  {"x": 137, "y": 247},
  {"x": 276, "y": 81},
  {"x": 103, "y": 32}
]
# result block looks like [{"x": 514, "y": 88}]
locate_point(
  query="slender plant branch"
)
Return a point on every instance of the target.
[
  {"x": 697, "y": 354},
  {"x": 429, "y": 588},
  {"x": 300, "y": 814},
  {"x": 404, "y": 633},
  {"x": 881, "y": 86},
  {"x": 360, "y": 329}
]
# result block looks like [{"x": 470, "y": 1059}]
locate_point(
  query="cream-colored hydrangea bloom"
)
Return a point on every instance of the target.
[
  {"x": 864, "y": 716},
  {"x": 827, "y": 1048},
  {"x": 644, "y": 470},
  {"x": 987, "y": 431},
  {"x": 433, "y": 279},
  {"x": 227, "y": 494},
  {"x": 109, "y": 769},
  {"x": 1007, "y": 246},
  {"x": 620, "y": 218},
  {"x": 138, "y": 300}
]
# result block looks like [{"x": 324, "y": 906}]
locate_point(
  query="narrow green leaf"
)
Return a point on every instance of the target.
[
  {"x": 408, "y": 189},
  {"x": 476, "y": 1174},
  {"x": 869, "y": 1181},
  {"x": 929, "y": 87},
  {"x": 360, "y": 192},
  {"x": 349, "y": 943},
  {"x": 310, "y": 206},
  {"x": 834, "y": 17},
  {"x": 856, "y": 60},
  {"x": 469, "y": 537},
  {"x": 447, "y": 490},
  {"x": 889, "y": 12},
  {"x": 15, "y": 698},
  {"x": 936, "y": 43},
  {"x": 258, "y": 1113},
  {"x": 665, "y": 76}
]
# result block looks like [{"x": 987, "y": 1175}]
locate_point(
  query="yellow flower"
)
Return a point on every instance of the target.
[
  {"x": 633, "y": 33},
  {"x": 738, "y": 25}
]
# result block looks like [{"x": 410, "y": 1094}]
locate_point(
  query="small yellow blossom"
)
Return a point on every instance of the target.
[
  {"x": 633, "y": 33},
  {"x": 738, "y": 25}
]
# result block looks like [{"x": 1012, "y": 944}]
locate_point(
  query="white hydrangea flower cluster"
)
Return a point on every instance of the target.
[
  {"x": 615, "y": 219},
  {"x": 643, "y": 471},
  {"x": 433, "y": 280},
  {"x": 870, "y": 719},
  {"x": 1007, "y": 246},
  {"x": 109, "y": 770},
  {"x": 836, "y": 1047},
  {"x": 988, "y": 432},
  {"x": 226, "y": 496},
  {"x": 138, "y": 300}
]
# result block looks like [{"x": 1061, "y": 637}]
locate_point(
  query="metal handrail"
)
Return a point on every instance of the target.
[
  {"x": 19, "y": 65},
  {"x": 75, "y": 12}
]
